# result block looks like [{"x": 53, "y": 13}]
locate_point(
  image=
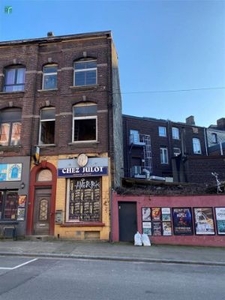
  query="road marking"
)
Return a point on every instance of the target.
[{"x": 16, "y": 267}]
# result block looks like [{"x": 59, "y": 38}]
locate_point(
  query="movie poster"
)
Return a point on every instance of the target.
[
  {"x": 146, "y": 214},
  {"x": 166, "y": 214},
  {"x": 147, "y": 228},
  {"x": 166, "y": 228},
  {"x": 204, "y": 223},
  {"x": 220, "y": 219},
  {"x": 182, "y": 221},
  {"x": 156, "y": 214},
  {"x": 156, "y": 228}
]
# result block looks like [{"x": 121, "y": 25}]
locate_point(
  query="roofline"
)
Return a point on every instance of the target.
[{"x": 58, "y": 38}]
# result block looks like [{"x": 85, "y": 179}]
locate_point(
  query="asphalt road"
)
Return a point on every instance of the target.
[{"x": 56, "y": 279}]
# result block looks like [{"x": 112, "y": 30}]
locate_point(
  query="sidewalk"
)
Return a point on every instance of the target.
[{"x": 114, "y": 251}]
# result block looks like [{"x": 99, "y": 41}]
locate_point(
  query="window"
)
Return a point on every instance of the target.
[
  {"x": 163, "y": 155},
  {"x": 214, "y": 138},
  {"x": 49, "y": 77},
  {"x": 14, "y": 79},
  {"x": 84, "y": 199},
  {"x": 85, "y": 72},
  {"x": 175, "y": 133},
  {"x": 162, "y": 131},
  {"x": 85, "y": 122},
  {"x": 196, "y": 146},
  {"x": 8, "y": 205},
  {"x": 10, "y": 127},
  {"x": 47, "y": 126}
]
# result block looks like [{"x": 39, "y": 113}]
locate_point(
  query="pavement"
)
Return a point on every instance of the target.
[{"x": 114, "y": 251}]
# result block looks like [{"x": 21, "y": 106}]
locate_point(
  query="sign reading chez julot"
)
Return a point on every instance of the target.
[{"x": 93, "y": 167}]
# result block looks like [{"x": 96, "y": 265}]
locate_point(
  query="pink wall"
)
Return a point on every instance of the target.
[{"x": 171, "y": 202}]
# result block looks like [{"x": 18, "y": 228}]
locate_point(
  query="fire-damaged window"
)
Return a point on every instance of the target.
[
  {"x": 84, "y": 199},
  {"x": 47, "y": 126},
  {"x": 8, "y": 205},
  {"x": 85, "y": 122}
]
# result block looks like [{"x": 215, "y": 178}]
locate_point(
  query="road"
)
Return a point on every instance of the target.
[{"x": 56, "y": 279}]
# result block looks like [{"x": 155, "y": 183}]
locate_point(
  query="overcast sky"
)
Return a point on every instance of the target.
[{"x": 171, "y": 53}]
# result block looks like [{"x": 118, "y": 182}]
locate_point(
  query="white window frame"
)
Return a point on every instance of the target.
[
  {"x": 162, "y": 131},
  {"x": 50, "y": 74},
  {"x": 214, "y": 138},
  {"x": 164, "y": 156},
  {"x": 196, "y": 146},
  {"x": 85, "y": 70},
  {"x": 175, "y": 133},
  {"x": 89, "y": 117},
  {"x": 42, "y": 120}
]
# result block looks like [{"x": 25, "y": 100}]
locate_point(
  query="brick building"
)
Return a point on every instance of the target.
[
  {"x": 151, "y": 144},
  {"x": 61, "y": 132}
]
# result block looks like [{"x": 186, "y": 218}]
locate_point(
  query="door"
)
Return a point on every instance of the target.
[
  {"x": 127, "y": 221},
  {"x": 42, "y": 212}
]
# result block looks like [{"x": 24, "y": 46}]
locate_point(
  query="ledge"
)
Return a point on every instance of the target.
[{"x": 83, "y": 224}]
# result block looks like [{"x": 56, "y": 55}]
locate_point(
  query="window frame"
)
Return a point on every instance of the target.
[
  {"x": 214, "y": 138},
  {"x": 11, "y": 118},
  {"x": 175, "y": 133},
  {"x": 196, "y": 144},
  {"x": 164, "y": 158},
  {"x": 4, "y": 205},
  {"x": 84, "y": 118},
  {"x": 85, "y": 71},
  {"x": 49, "y": 74},
  {"x": 41, "y": 124},
  {"x": 162, "y": 131},
  {"x": 14, "y": 87}
]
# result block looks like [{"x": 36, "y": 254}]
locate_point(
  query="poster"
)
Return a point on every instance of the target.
[
  {"x": 156, "y": 213},
  {"x": 182, "y": 221},
  {"x": 147, "y": 228},
  {"x": 166, "y": 228},
  {"x": 166, "y": 216},
  {"x": 156, "y": 228},
  {"x": 204, "y": 223},
  {"x": 146, "y": 214},
  {"x": 220, "y": 219}
]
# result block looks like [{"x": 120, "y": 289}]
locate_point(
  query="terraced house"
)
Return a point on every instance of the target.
[{"x": 61, "y": 133}]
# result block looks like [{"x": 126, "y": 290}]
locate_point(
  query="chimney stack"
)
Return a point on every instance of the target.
[
  {"x": 50, "y": 34},
  {"x": 190, "y": 120}
]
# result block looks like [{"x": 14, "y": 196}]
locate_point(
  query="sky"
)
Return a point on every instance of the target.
[{"x": 171, "y": 53}]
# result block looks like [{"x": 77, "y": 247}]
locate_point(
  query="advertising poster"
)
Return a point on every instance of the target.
[
  {"x": 166, "y": 214},
  {"x": 156, "y": 214},
  {"x": 156, "y": 228},
  {"x": 204, "y": 223},
  {"x": 21, "y": 207},
  {"x": 146, "y": 214},
  {"x": 220, "y": 219},
  {"x": 182, "y": 221},
  {"x": 166, "y": 228},
  {"x": 147, "y": 228}
]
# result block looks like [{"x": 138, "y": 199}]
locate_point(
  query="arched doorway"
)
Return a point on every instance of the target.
[{"x": 41, "y": 205}]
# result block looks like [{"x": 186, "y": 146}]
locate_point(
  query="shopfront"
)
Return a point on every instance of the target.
[
  {"x": 14, "y": 182},
  {"x": 82, "y": 205}
]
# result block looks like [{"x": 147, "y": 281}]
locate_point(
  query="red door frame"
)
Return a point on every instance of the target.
[{"x": 33, "y": 185}]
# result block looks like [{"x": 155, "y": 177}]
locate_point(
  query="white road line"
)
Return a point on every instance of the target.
[{"x": 16, "y": 267}]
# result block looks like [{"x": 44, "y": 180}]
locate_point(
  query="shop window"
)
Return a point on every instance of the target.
[
  {"x": 84, "y": 199},
  {"x": 47, "y": 126},
  {"x": 14, "y": 79},
  {"x": 85, "y": 72},
  {"x": 85, "y": 122},
  {"x": 10, "y": 127},
  {"x": 49, "y": 77},
  {"x": 8, "y": 205}
]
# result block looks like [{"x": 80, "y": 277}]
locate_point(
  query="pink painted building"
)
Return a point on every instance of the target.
[{"x": 175, "y": 220}]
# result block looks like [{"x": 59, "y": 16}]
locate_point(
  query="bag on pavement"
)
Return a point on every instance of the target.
[
  {"x": 137, "y": 239},
  {"x": 145, "y": 240}
]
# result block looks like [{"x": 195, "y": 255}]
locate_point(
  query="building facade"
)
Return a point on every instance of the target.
[{"x": 61, "y": 133}]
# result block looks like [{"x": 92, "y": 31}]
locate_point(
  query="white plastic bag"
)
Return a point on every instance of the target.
[
  {"x": 137, "y": 239},
  {"x": 145, "y": 240}
]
